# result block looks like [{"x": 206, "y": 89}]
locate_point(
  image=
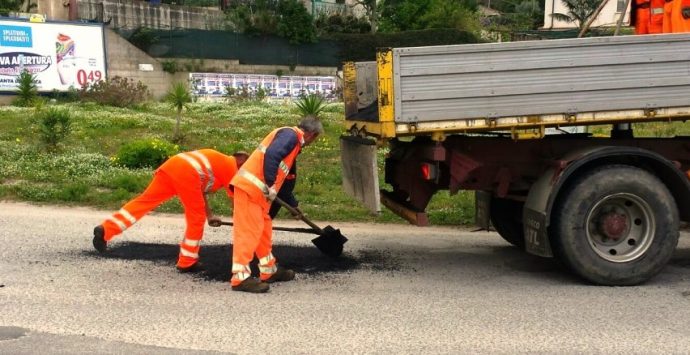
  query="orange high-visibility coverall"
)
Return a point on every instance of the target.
[
  {"x": 680, "y": 22},
  {"x": 642, "y": 17},
  {"x": 189, "y": 176},
  {"x": 656, "y": 16},
  {"x": 252, "y": 232},
  {"x": 668, "y": 8}
]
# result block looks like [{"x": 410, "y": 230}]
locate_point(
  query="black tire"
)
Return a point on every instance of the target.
[
  {"x": 506, "y": 217},
  {"x": 616, "y": 225}
]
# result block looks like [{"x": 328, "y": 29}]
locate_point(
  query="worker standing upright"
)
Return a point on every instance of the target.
[
  {"x": 642, "y": 16},
  {"x": 680, "y": 16},
  {"x": 255, "y": 186},
  {"x": 190, "y": 176}
]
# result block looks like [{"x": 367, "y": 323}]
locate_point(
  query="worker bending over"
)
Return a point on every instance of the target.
[{"x": 190, "y": 176}]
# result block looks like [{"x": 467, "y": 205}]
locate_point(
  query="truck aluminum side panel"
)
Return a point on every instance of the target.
[{"x": 570, "y": 76}]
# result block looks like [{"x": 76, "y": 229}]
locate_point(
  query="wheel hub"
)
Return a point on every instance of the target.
[
  {"x": 620, "y": 227},
  {"x": 613, "y": 225}
]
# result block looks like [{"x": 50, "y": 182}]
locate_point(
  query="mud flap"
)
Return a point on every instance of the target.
[
  {"x": 360, "y": 171},
  {"x": 482, "y": 212},
  {"x": 536, "y": 236}
]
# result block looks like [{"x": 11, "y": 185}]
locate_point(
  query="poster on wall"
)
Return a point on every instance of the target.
[
  {"x": 59, "y": 55},
  {"x": 209, "y": 85}
]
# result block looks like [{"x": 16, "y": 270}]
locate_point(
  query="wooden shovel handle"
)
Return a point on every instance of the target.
[{"x": 294, "y": 212}]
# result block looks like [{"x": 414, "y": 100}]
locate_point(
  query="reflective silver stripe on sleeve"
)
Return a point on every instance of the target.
[
  {"x": 268, "y": 269},
  {"x": 266, "y": 259},
  {"x": 261, "y": 148},
  {"x": 191, "y": 243},
  {"x": 253, "y": 179},
  {"x": 119, "y": 223},
  {"x": 207, "y": 165},
  {"x": 284, "y": 167},
  {"x": 189, "y": 253},
  {"x": 127, "y": 215}
]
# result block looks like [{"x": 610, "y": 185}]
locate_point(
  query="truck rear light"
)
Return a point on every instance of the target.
[{"x": 429, "y": 171}]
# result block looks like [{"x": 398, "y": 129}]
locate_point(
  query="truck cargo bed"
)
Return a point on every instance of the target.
[{"x": 520, "y": 85}]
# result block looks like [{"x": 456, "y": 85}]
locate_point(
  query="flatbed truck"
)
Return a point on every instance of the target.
[{"x": 479, "y": 116}]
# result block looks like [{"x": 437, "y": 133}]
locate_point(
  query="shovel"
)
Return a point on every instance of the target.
[{"x": 330, "y": 241}]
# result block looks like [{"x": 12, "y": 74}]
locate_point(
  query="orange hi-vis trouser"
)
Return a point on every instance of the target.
[
  {"x": 656, "y": 16},
  {"x": 679, "y": 22},
  {"x": 252, "y": 234},
  {"x": 668, "y": 8},
  {"x": 642, "y": 17},
  {"x": 161, "y": 189}
]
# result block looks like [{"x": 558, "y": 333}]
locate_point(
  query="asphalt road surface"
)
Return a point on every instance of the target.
[{"x": 396, "y": 289}]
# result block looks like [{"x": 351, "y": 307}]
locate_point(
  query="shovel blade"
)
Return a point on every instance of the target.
[{"x": 330, "y": 242}]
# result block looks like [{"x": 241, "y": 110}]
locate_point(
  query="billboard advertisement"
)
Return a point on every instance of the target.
[
  {"x": 59, "y": 55},
  {"x": 215, "y": 84}
]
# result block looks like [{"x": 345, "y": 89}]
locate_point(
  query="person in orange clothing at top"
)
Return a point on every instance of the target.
[
  {"x": 255, "y": 186},
  {"x": 190, "y": 176},
  {"x": 641, "y": 16},
  {"x": 656, "y": 16},
  {"x": 680, "y": 16}
]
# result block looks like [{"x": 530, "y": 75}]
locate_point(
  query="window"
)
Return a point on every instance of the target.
[{"x": 620, "y": 6}]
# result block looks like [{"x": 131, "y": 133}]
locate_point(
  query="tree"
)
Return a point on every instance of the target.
[
  {"x": 406, "y": 15},
  {"x": 579, "y": 11},
  {"x": 6, "y": 6},
  {"x": 372, "y": 12},
  {"x": 452, "y": 14},
  {"x": 178, "y": 97},
  {"x": 295, "y": 23},
  {"x": 402, "y": 15}
]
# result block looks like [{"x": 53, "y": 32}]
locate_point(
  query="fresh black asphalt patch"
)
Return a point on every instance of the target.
[{"x": 216, "y": 259}]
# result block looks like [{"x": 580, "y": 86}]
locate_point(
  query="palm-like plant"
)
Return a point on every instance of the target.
[
  {"x": 311, "y": 104},
  {"x": 27, "y": 89},
  {"x": 579, "y": 11},
  {"x": 178, "y": 97}
]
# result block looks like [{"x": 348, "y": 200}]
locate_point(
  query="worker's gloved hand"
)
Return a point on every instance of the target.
[
  {"x": 214, "y": 221},
  {"x": 270, "y": 193}
]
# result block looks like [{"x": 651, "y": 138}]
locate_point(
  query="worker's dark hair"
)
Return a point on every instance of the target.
[{"x": 311, "y": 124}]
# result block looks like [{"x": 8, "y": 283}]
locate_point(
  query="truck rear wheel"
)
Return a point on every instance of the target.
[
  {"x": 617, "y": 225},
  {"x": 506, "y": 217}
]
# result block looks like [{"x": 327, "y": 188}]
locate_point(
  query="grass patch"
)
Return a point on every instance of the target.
[{"x": 83, "y": 173}]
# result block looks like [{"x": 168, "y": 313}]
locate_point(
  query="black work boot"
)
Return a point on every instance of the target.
[
  {"x": 196, "y": 267},
  {"x": 99, "y": 239},
  {"x": 281, "y": 275},
  {"x": 252, "y": 285}
]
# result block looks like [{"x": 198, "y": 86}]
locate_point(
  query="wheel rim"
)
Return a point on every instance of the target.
[{"x": 620, "y": 227}]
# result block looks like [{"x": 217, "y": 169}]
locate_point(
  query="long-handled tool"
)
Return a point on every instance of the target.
[{"x": 330, "y": 241}]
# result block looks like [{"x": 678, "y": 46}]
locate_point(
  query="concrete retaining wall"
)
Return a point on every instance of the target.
[
  {"x": 133, "y": 14},
  {"x": 128, "y": 61}
]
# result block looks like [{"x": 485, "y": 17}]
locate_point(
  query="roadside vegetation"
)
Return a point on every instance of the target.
[{"x": 88, "y": 154}]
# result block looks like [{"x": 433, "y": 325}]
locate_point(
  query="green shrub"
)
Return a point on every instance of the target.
[
  {"x": 170, "y": 66},
  {"x": 54, "y": 125},
  {"x": 143, "y": 38},
  {"x": 71, "y": 95},
  {"x": 27, "y": 90},
  {"x": 145, "y": 153},
  {"x": 117, "y": 91}
]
